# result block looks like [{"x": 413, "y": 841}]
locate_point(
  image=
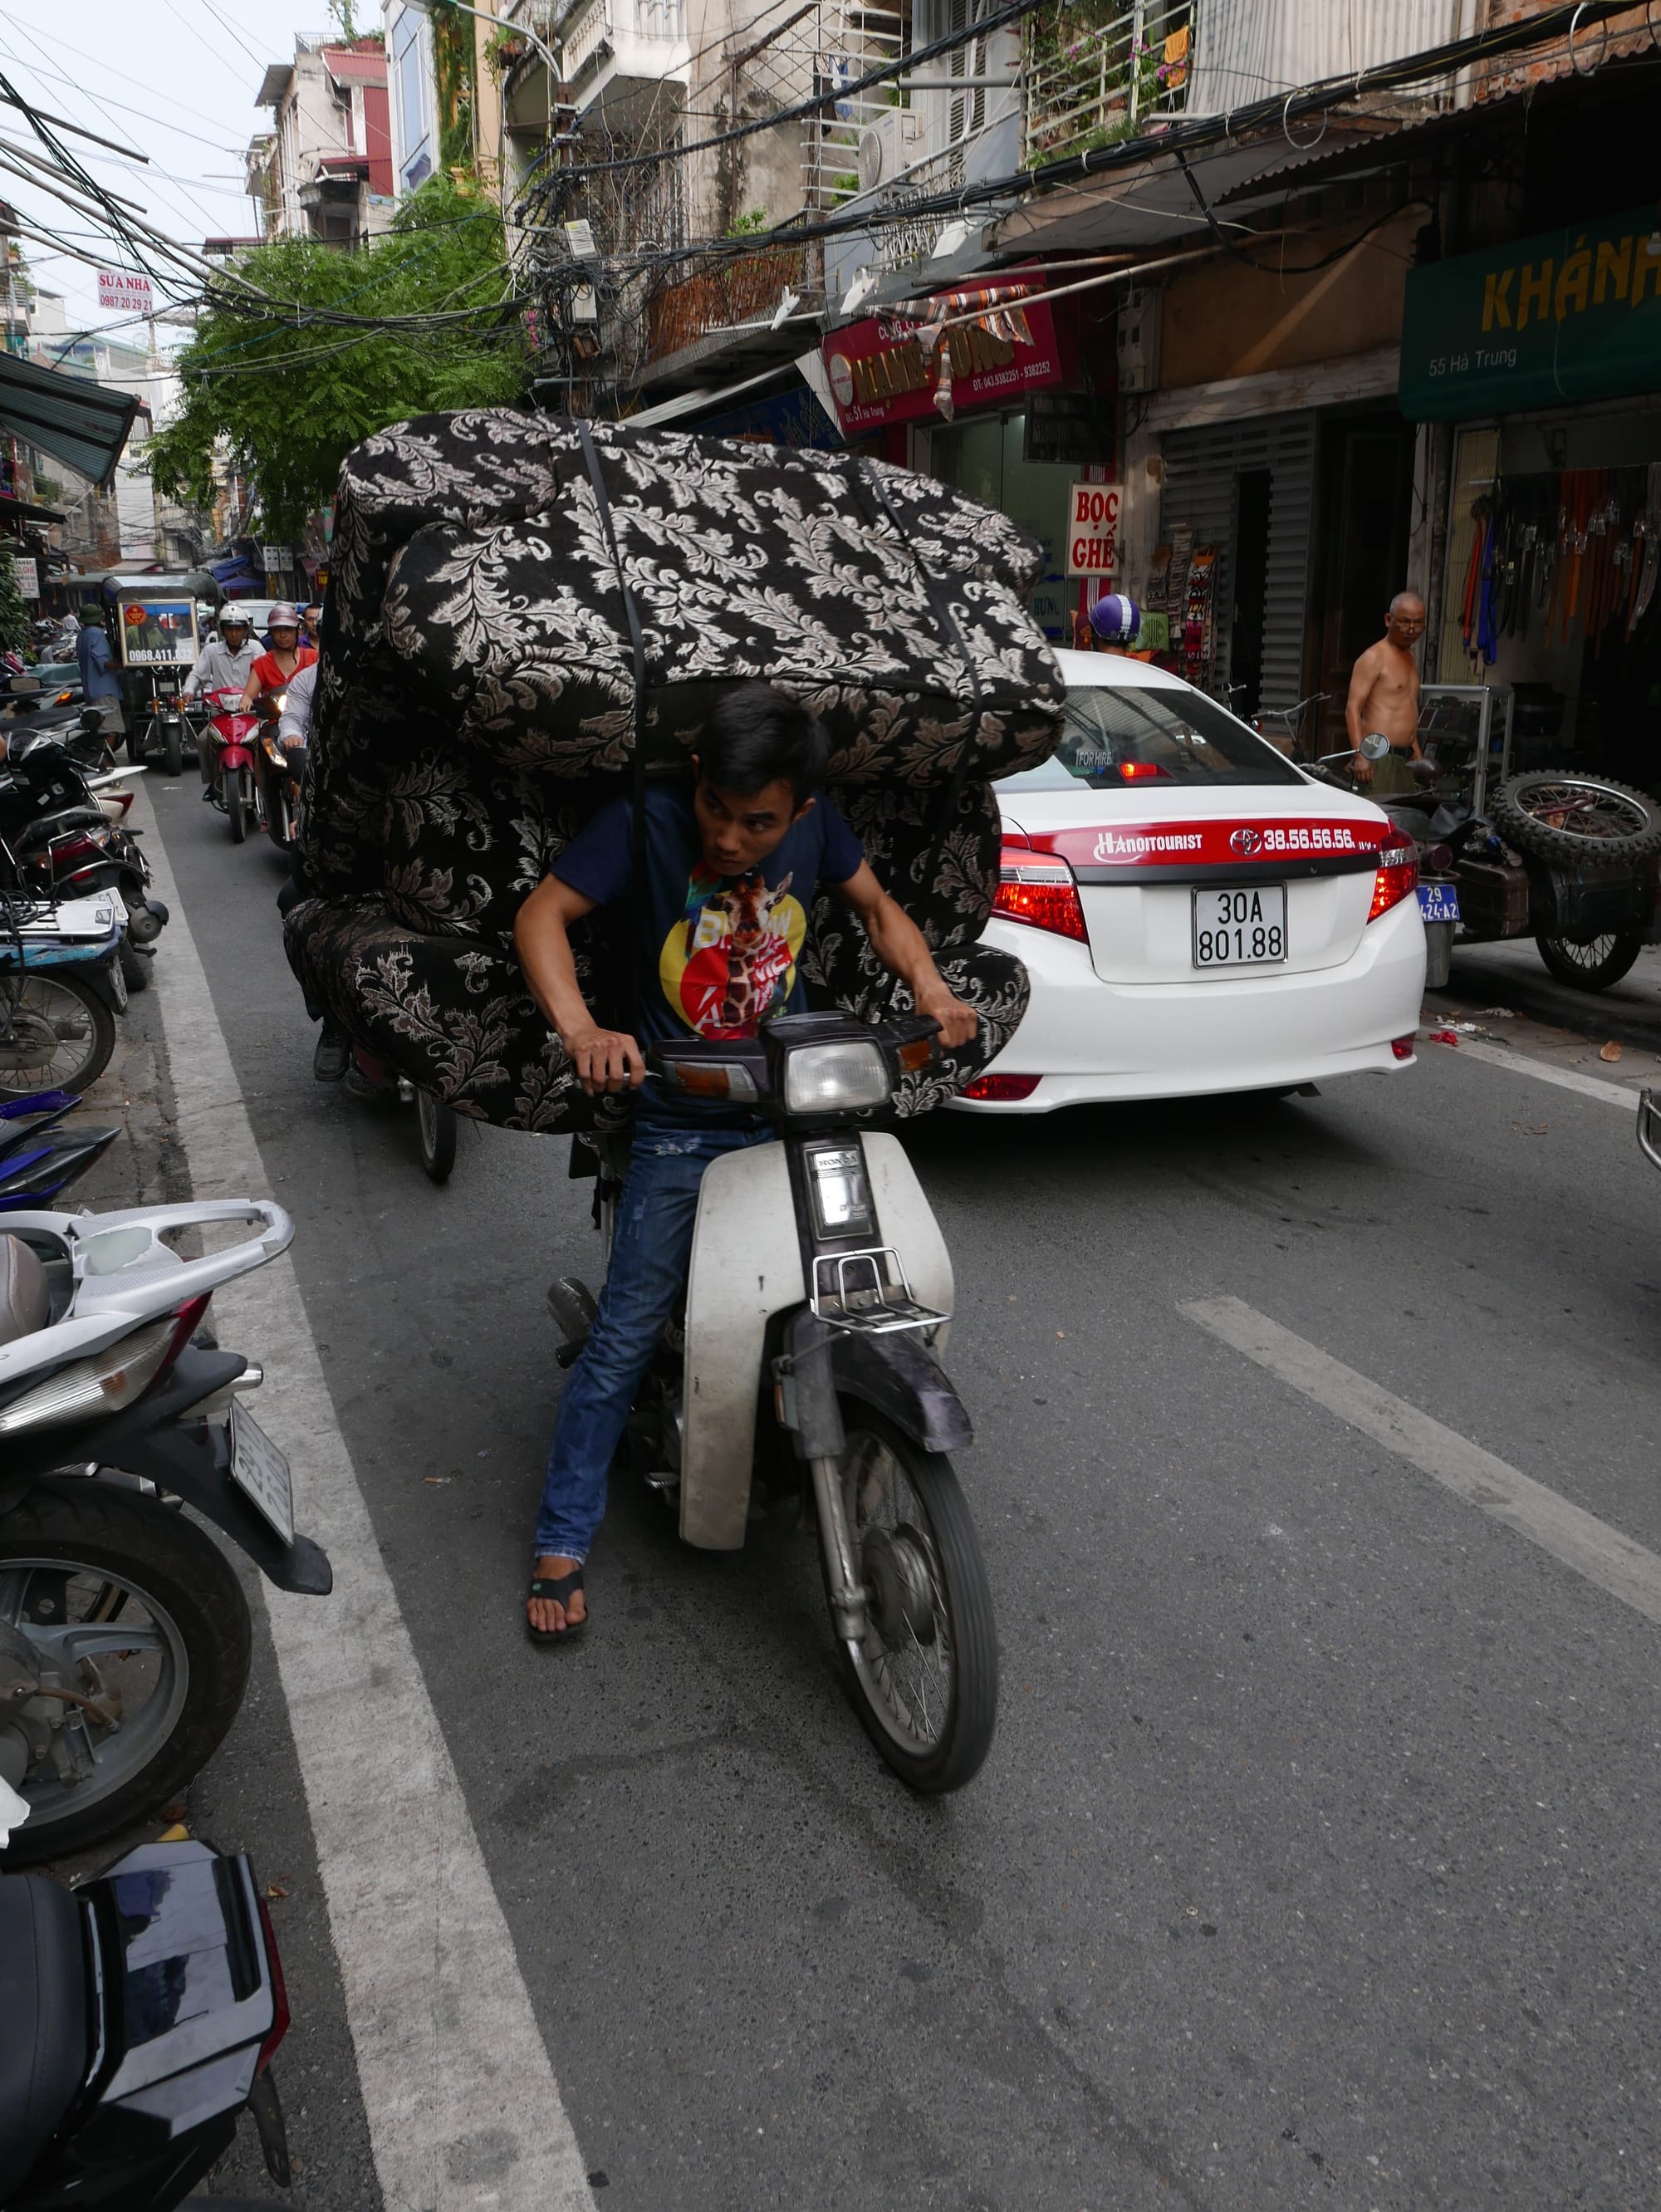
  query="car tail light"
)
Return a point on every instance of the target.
[
  {"x": 1003, "y": 1088},
  {"x": 279, "y": 2026},
  {"x": 1141, "y": 771},
  {"x": 1040, "y": 891},
  {"x": 1398, "y": 872},
  {"x": 1402, "y": 1046}
]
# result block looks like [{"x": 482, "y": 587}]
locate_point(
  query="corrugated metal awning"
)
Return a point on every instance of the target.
[{"x": 79, "y": 421}]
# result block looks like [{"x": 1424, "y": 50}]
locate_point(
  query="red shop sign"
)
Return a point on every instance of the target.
[{"x": 878, "y": 372}]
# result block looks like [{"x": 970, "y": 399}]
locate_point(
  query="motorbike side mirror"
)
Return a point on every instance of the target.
[
  {"x": 1373, "y": 746},
  {"x": 91, "y": 719}
]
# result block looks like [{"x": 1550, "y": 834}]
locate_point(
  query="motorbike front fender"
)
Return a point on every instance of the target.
[
  {"x": 898, "y": 1375},
  {"x": 234, "y": 758},
  {"x": 152, "y": 1441}
]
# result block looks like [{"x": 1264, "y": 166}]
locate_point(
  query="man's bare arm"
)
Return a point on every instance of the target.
[
  {"x": 606, "y": 1059},
  {"x": 1361, "y": 679},
  {"x": 901, "y": 947}
]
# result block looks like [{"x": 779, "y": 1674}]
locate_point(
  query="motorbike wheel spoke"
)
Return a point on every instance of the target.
[{"x": 89, "y": 1639}]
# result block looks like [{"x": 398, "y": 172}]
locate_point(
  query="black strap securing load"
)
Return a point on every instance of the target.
[
  {"x": 637, "y": 646},
  {"x": 940, "y": 605}
]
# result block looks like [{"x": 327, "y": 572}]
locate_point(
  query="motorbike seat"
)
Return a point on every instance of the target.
[
  {"x": 43, "y": 2002},
  {"x": 25, "y": 1297}
]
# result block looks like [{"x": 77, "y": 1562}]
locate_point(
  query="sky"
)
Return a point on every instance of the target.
[{"x": 174, "y": 80}]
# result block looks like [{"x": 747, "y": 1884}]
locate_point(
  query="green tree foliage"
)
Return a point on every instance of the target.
[
  {"x": 290, "y": 400},
  {"x": 14, "y": 607}
]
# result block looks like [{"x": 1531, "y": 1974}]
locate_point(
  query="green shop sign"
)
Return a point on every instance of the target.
[{"x": 1573, "y": 314}]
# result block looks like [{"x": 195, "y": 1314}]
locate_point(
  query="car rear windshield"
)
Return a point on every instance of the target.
[{"x": 1126, "y": 738}]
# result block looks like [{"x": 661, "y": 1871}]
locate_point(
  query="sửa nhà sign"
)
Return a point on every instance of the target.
[{"x": 125, "y": 291}]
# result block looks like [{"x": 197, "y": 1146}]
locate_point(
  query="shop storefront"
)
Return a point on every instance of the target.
[
  {"x": 1017, "y": 430},
  {"x": 1545, "y": 356}
]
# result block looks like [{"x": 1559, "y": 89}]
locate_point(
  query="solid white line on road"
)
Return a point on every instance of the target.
[
  {"x": 464, "y": 2114},
  {"x": 1626, "y": 1569},
  {"x": 1566, "y": 1078}
]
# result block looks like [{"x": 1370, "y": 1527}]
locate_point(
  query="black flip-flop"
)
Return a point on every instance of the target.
[{"x": 559, "y": 1588}]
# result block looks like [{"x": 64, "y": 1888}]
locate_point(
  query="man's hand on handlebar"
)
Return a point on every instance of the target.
[
  {"x": 606, "y": 1059},
  {"x": 958, "y": 1021}
]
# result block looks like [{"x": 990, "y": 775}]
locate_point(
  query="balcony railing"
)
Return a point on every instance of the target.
[
  {"x": 606, "y": 24},
  {"x": 1100, "y": 71}
]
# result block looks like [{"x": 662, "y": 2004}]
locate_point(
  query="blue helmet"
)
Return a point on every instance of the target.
[{"x": 1115, "y": 619}]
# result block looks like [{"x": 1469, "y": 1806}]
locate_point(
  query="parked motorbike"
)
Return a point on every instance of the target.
[
  {"x": 435, "y": 1122},
  {"x": 817, "y": 1304},
  {"x": 227, "y": 750},
  {"x": 156, "y": 720},
  {"x": 61, "y": 989},
  {"x": 1649, "y": 1127},
  {"x": 62, "y": 830},
  {"x": 142, "y": 2011},
  {"x": 124, "y": 1635},
  {"x": 39, "y": 1156}
]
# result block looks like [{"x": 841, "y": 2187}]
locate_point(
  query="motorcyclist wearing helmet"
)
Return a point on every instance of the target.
[
  {"x": 288, "y": 656},
  {"x": 224, "y": 662}
]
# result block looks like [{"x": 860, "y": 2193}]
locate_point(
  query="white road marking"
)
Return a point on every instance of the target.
[
  {"x": 1626, "y": 1569},
  {"x": 463, "y": 2111},
  {"x": 1566, "y": 1078}
]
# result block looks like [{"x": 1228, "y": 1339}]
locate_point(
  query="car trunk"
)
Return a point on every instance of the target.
[{"x": 1140, "y": 860}]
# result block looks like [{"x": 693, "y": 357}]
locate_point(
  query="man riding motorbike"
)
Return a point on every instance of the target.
[
  {"x": 731, "y": 867},
  {"x": 224, "y": 664}
]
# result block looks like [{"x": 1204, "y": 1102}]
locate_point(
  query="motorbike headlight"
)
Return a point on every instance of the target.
[{"x": 836, "y": 1079}]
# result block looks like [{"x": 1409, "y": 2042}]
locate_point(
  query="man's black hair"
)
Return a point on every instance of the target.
[{"x": 759, "y": 735}]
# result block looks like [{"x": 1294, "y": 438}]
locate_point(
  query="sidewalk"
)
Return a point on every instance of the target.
[{"x": 1513, "y": 974}]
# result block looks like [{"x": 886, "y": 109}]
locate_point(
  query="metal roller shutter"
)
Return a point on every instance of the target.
[{"x": 1202, "y": 469}]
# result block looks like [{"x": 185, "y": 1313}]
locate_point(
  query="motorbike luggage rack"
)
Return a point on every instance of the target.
[{"x": 872, "y": 1307}]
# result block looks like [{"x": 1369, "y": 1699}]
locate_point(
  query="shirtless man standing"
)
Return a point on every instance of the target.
[{"x": 1384, "y": 697}]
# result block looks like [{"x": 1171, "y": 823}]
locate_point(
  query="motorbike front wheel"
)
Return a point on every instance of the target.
[
  {"x": 56, "y": 1033},
  {"x": 145, "y": 1624},
  {"x": 236, "y": 807},
  {"x": 923, "y": 1676},
  {"x": 437, "y": 1124},
  {"x": 172, "y": 743},
  {"x": 1595, "y": 966}
]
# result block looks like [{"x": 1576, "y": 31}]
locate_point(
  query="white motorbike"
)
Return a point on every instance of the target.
[
  {"x": 125, "y": 1634},
  {"x": 818, "y": 1303}
]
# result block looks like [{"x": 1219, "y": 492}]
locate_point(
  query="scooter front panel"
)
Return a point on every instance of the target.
[{"x": 746, "y": 1267}]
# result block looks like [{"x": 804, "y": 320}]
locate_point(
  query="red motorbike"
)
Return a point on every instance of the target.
[{"x": 226, "y": 751}]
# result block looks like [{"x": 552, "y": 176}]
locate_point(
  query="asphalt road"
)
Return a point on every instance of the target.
[{"x": 1314, "y": 1860}]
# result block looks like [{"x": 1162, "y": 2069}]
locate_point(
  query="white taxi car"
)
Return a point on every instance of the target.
[{"x": 1196, "y": 913}]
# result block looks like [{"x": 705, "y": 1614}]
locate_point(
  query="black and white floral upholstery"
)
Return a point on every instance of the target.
[{"x": 476, "y": 701}]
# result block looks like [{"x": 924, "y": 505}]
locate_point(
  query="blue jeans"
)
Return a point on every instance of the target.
[{"x": 650, "y": 1247}]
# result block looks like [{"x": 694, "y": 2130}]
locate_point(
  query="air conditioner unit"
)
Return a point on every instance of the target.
[
  {"x": 1138, "y": 341},
  {"x": 890, "y": 144}
]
